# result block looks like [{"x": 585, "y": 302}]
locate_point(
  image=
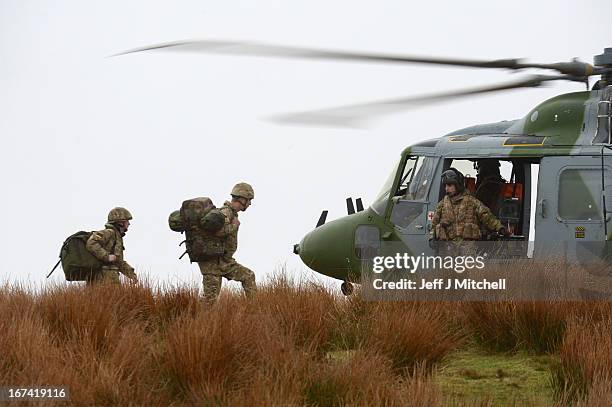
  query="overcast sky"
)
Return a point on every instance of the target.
[{"x": 82, "y": 133}]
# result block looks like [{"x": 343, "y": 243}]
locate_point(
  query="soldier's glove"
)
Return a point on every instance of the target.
[{"x": 503, "y": 231}]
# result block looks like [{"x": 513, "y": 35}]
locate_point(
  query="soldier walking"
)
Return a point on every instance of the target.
[
  {"x": 107, "y": 246},
  {"x": 225, "y": 265}
]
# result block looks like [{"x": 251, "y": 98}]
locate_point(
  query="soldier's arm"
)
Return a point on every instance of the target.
[
  {"x": 127, "y": 270},
  {"x": 486, "y": 217},
  {"x": 228, "y": 227},
  {"x": 435, "y": 220},
  {"x": 96, "y": 242}
]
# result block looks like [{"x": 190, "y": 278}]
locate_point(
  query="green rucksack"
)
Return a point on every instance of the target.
[
  {"x": 200, "y": 220},
  {"x": 77, "y": 262},
  {"x": 175, "y": 221}
]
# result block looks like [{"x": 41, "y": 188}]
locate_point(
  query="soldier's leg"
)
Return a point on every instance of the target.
[
  {"x": 212, "y": 288},
  {"x": 211, "y": 281},
  {"x": 111, "y": 275},
  {"x": 236, "y": 271},
  {"x": 105, "y": 275}
]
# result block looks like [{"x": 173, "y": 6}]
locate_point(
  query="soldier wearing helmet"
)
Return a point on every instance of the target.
[
  {"x": 489, "y": 183},
  {"x": 107, "y": 246},
  {"x": 226, "y": 266},
  {"x": 459, "y": 216}
]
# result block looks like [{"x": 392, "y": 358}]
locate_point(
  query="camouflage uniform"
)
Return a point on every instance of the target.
[
  {"x": 225, "y": 265},
  {"x": 109, "y": 241},
  {"x": 460, "y": 217}
]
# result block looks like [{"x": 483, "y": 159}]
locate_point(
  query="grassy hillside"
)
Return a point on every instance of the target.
[{"x": 298, "y": 344}]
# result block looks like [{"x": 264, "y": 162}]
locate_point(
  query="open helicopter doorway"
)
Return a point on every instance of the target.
[{"x": 508, "y": 187}]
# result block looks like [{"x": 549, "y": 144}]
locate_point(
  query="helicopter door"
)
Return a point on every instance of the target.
[
  {"x": 569, "y": 205},
  {"x": 410, "y": 205}
]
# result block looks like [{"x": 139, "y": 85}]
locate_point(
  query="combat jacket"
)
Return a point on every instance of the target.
[
  {"x": 461, "y": 217},
  {"x": 229, "y": 231},
  {"x": 106, "y": 242}
]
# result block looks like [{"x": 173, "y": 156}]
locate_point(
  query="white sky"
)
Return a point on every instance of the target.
[{"x": 82, "y": 133}]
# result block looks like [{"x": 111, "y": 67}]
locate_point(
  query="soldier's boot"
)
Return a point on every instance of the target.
[{"x": 211, "y": 288}]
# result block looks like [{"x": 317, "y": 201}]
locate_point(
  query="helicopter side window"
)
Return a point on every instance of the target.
[{"x": 585, "y": 183}]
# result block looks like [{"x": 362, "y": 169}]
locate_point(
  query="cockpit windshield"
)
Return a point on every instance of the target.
[
  {"x": 383, "y": 196},
  {"x": 414, "y": 182}
]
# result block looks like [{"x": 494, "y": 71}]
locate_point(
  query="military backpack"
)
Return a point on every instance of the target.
[
  {"x": 200, "y": 220},
  {"x": 77, "y": 262}
]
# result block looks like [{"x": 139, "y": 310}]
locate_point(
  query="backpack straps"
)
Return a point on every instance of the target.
[{"x": 54, "y": 267}]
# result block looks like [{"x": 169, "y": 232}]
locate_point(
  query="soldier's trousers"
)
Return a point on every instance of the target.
[
  {"x": 213, "y": 271},
  {"x": 106, "y": 275}
]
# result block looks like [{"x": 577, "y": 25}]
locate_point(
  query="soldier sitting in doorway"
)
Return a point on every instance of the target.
[{"x": 460, "y": 216}]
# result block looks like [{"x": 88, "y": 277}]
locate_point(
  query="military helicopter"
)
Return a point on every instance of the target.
[{"x": 557, "y": 162}]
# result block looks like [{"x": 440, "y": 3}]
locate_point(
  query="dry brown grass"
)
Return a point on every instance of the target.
[
  {"x": 139, "y": 345},
  {"x": 534, "y": 326},
  {"x": 585, "y": 360},
  {"x": 292, "y": 344},
  {"x": 410, "y": 334}
]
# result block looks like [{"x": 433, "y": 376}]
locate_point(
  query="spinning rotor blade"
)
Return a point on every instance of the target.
[
  {"x": 351, "y": 115},
  {"x": 575, "y": 67}
]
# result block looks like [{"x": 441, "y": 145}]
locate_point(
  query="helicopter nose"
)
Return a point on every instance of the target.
[{"x": 328, "y": 248}]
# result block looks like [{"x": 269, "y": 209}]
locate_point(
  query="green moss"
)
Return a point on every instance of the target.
[{"x": 502, "y": 379}]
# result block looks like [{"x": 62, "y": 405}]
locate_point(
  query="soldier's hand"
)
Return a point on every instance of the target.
[
  {"x": 503, "y": 231},
  {"x": 111, "y": 258},
  {"x": 236, "y": 222}
]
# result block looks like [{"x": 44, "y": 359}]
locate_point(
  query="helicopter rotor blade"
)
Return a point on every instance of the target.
[
  {"x": 352, "y": 115},
  {"x": 574, "y": 67}
]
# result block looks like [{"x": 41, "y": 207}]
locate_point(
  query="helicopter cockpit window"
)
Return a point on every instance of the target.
[
  {"x": 380, "y": 203},
  {"x": 412, "y": 165},
  {"x": 419, "y": 186},
  {"x": 412, "y": 192}
]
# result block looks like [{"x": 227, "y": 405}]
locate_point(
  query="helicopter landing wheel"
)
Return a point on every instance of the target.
[{"x": 347, "y": 288}]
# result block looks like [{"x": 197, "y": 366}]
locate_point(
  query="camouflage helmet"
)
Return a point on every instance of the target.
[
  {"x": 453, "y": 176},
  {"x": 119, "y": 214},
  {"x": 243, "y": 190}
]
